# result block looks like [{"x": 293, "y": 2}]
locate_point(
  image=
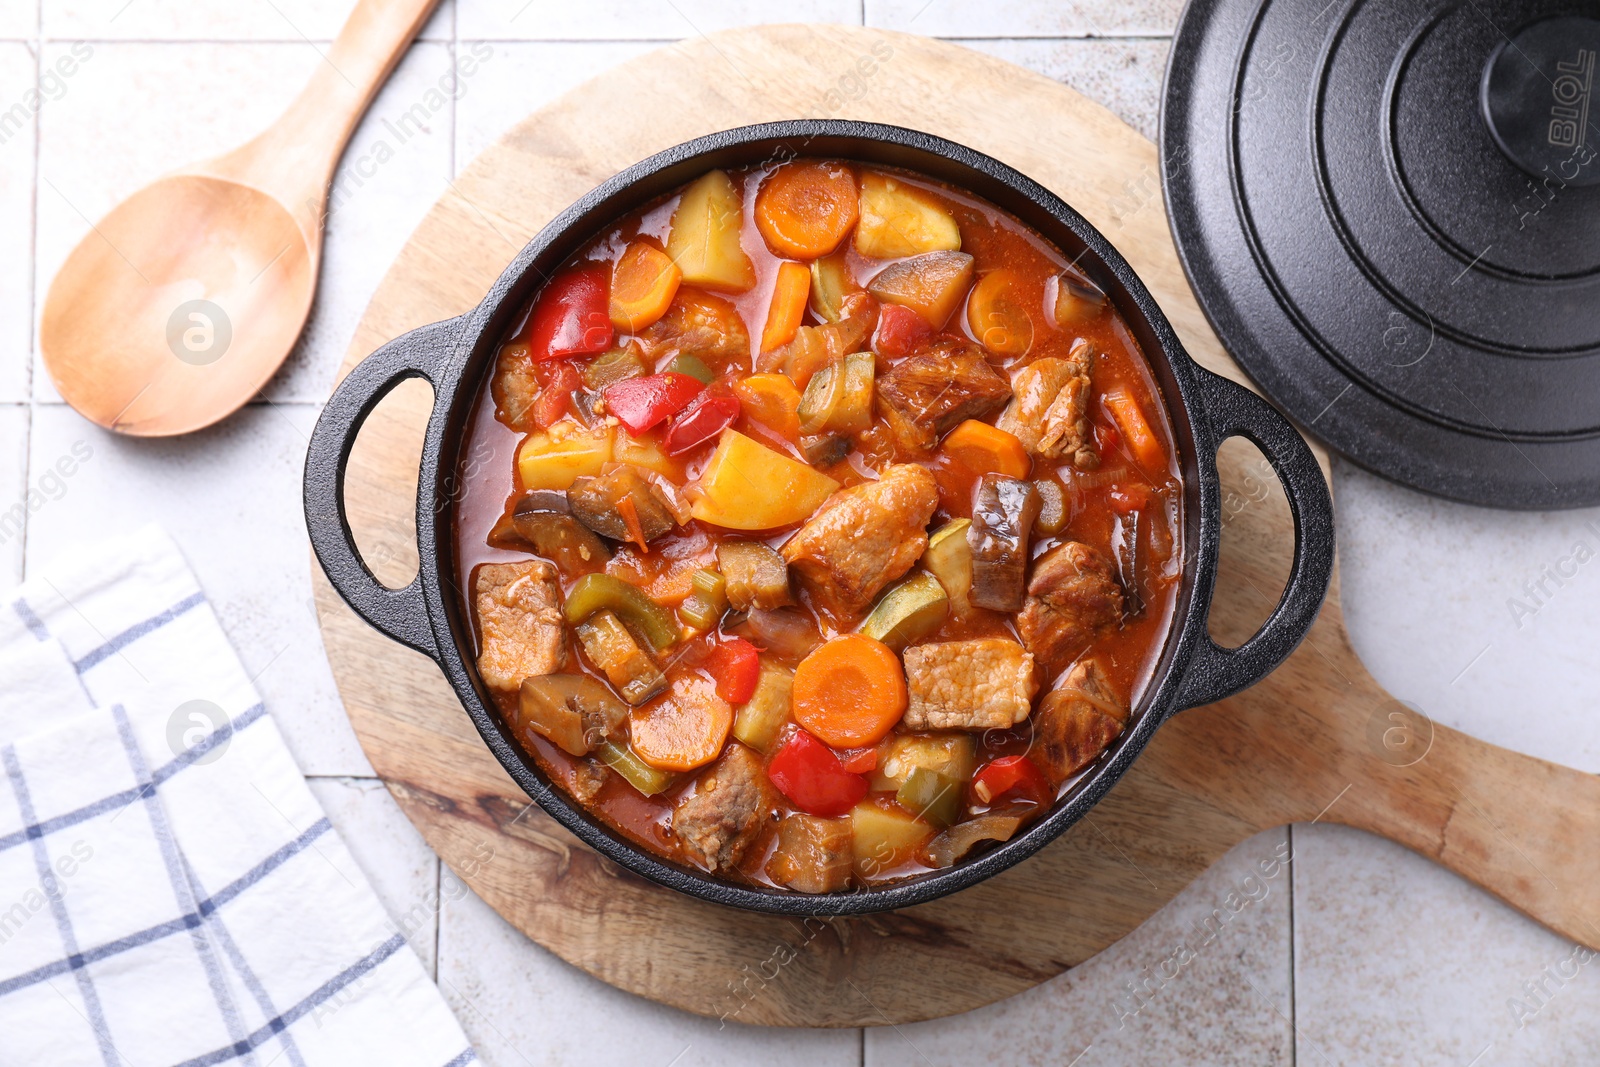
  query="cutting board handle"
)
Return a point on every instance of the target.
[{"x": 1520, "y": 827}]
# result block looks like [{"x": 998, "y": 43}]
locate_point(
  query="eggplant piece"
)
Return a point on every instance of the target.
[
  {"x": 813, "y": 854},
  {"x": 785, "y": 632},
  {"x": 1077, "y": 301},
  {"x": 756, "y": 576},
  {"x": 600, "y": 503},
  {"x": 610, "y": 647},
  {"x": 573, "y": 711},
  {"x": 1128, "y": 529},
  {"x": 540, "y": 520},
  {"x": 588, "y": 405},
  {"x": 1002, "y": 521},
  {"x": 931, "y": 284},
  {"x": 944, "y": 850},
  {"x": 824, "y": 450}
]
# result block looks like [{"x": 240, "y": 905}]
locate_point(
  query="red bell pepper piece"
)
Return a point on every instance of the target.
[
  {"x": 1016, "y": 777},
  {"x": 706, "y": 416},
  {"x": 557, "y": 381},
  {"x": 900, "y": 330},
  {"x": 736, "y": 666},
  {"x": 642, "y": 403},
  {"x": 571, "y": 317},
  {"x": 859, "y": 760},
  {"x": 807, "y": 772}
]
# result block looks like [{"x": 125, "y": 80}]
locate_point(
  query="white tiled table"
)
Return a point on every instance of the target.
[{"x": 1363, "y": 954}]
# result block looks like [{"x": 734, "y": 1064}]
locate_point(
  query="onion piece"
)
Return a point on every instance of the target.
[{"x": 956, "y": 842}]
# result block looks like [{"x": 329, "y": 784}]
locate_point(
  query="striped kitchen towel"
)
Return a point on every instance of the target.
[{"x": 170, "y": 891}]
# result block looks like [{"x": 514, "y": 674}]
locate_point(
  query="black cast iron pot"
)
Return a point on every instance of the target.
[{"x": 455, "y": 355}]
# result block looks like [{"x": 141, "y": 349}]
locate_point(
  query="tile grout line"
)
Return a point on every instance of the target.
[
  {"x": 455, "y": 49},
  {"x": 1294, "y": 1012},
  {"x": 438, "y": 912},
  {"x": 33, "y": 282}
]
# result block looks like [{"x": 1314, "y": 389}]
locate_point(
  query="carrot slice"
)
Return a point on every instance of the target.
[
  {"x": 643, "y": 284},
  {"x": 986, "y": 449},
  {"x": 850, "y": 692},
  {"x": 683, "y": 728},
  {"x": 1136, "y": 430},
  {"x": 804, "y": 210},
  {"x": 997, "y": 314},
  {"x": 773, "y": 401},
  {"x": 789, "y": 298}
]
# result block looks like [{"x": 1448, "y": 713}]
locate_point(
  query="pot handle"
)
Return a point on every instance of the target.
[
  {"x": 400, "y": 613},
  {"x": 1215, "y": 672}
]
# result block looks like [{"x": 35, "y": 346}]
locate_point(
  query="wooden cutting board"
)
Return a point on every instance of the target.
[{"x": 1318, "y": 739}]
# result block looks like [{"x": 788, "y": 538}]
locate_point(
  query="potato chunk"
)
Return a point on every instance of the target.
[
  {"x": 900, "y": 220},
  {"x": 704, "y": 239}
]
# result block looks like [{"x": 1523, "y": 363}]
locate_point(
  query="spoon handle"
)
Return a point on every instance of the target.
[{"x": 293, "y": 159}]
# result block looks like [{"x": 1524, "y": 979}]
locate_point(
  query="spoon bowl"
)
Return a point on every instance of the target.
[
  {"x": 180, "y": 305},
  {"x": 156, "y": 331}
]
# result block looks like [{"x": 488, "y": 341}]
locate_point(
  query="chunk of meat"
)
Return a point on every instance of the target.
[
  {"x": 1077, "y": 721},
  {"x": 924, "y": 396},
  {"x": 589, "y": 776},
  {"x": 699, "y": 324},
  {"x": 515, "y": 387},
  {"x": 1050, "y": 412},
  {"x": 813, "y": 854},
  {"x": 985, "y": 683},
  {"x": 727, "y": 812},
  {"x": 864, "y": 537},
  {"x": 1073, "y": 598},
  {"x": 520, "y": 623}
]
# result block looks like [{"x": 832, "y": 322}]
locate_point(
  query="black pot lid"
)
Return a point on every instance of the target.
[{"x": 1390, "y": 212}]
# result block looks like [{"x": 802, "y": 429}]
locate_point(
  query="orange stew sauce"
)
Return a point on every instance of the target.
[{"x": 1124, "y": 504}]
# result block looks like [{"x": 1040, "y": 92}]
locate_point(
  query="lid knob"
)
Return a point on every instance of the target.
[{"x": 1539, "y": 100}]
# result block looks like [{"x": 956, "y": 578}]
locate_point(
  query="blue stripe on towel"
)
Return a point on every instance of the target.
[
  {"x": 138, "y": 630},
  {"x": 128, "y": 796},
  {"x": 316, "y": 999},
  {"x": 192, "y": 920},
  {"x": 35, "y": 625}
]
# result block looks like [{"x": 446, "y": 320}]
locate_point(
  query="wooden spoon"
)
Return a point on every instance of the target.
[{"x": 183, "y": 301}]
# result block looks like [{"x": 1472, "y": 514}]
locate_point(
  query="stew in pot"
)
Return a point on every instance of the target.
[{"x": 822, "y": 525}]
